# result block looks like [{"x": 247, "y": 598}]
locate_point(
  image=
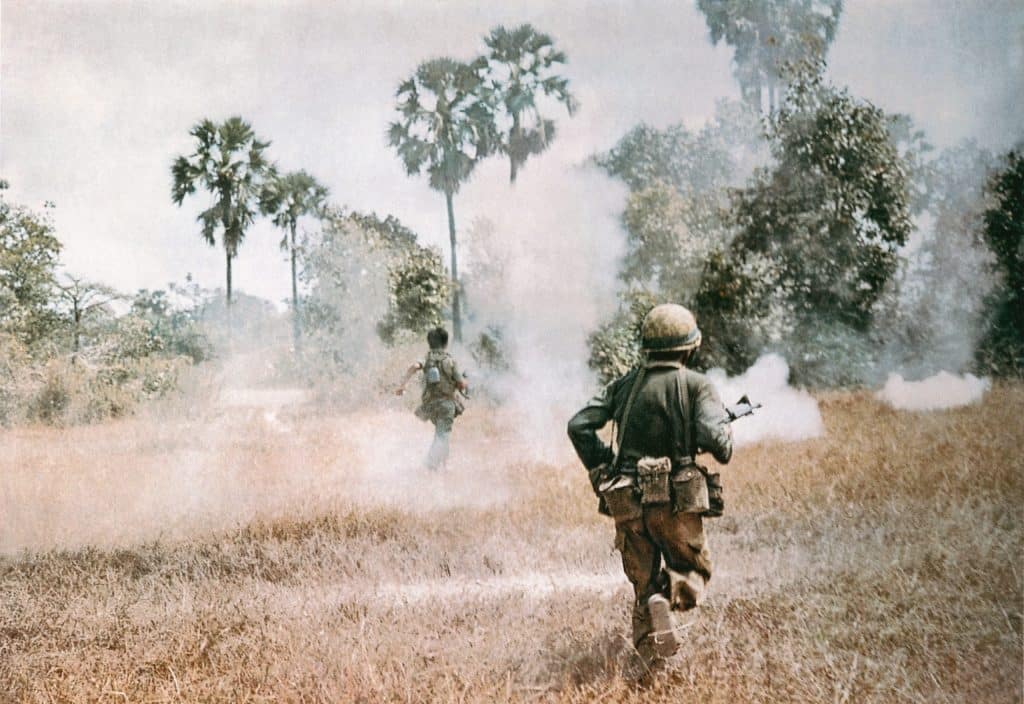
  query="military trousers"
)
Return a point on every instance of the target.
[
  {"x": 442, "y": 415},
  {"x": 663, "y": 553}
]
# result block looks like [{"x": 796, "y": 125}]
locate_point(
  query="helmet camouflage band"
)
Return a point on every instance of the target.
[{"x": 669, "y": 328}]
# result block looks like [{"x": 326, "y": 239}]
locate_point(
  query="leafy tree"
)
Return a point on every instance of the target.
[
  {"x": 29, "y": 253},
  {"x": 831, "y": 213},
  {"x": 768, "y": 36},
  {"x": 402, "y": 286},
  {"x": 1003, "y": 347},
  {"x": 174, "y": 320},
  {"x": 83, "y": 298},
  {"x": 937, "y": 319},
  {"x": 288, "y": 198},
  {"x": 692, "y": 162},
  {"x": 521, "y": 67},
  {"x": 230, "y": 163},
  {"x": 445, "y": 127},
  {"x": 677, "y": 219}
]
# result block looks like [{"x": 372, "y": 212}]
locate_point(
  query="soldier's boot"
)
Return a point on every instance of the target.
[{"x": 663, "y": 641}]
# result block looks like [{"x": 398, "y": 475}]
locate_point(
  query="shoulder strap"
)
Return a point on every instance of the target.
[
  {"x": 684, "y": 403},
  {"x": 634, "y": 389}
]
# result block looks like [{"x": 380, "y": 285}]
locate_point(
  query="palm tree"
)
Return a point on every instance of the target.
[
  {"x": 288, "y": 198},
  {"x": 521, "y": 66},
  {"x": 228, "y": 162},
  {"x": 446, "y": 127}
]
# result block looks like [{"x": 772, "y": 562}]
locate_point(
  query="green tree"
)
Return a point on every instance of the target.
[
  {"x": 230, "y": 163},
  {"x": 830, "y": 214},
  {"x": 768, "y": 36},
  {"x": 403, "y": 287},
  {"x": 82, "y": 299},
  {"x": 521, "y": 68},
  {"x": 445, "y": 127},
  {"x": 29, "y": 253},
  {"x": 288, "y": 198},
  {"x": 1003, "y": 346}
]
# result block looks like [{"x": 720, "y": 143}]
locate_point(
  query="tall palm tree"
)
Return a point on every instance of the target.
[
  {"x": 287, "y": 198},
  {"x": 521, "y": 66},
  {"x": 229, "y": 162},
  {"x": 445, "y": 126}
]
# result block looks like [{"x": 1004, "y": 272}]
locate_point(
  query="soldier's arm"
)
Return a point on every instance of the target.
[
  {"x": 460, "y": 379},
  {"x": 409, "y": 373},
  {"x": 583, "y": 429},
  {"x": 714, "y": 434}
]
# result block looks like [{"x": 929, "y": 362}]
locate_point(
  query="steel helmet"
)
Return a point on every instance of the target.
[{"x": 669, "y": 328}]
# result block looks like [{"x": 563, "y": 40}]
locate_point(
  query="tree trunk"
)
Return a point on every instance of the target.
[
  {"x": 456, "y": 302},
  {"x": 228, "y": 271},
  {"x": 295, "y": 298},
  {"x": 516, "y": 130},
  {"x": 228, "y": 307},
  {"x": 78, "y": 333}
]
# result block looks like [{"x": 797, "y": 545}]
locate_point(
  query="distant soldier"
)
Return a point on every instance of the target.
[
  {"x": 664, "y": 414},
  {"x": 440, "y": 403}
]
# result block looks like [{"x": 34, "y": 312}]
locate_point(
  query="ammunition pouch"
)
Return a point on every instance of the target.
[
  {"x": 619, "y": 496},
  {"x": 689, "y": 490},
  {"x": 716, "y": 502},
  {"x": 652, "y": 474}
]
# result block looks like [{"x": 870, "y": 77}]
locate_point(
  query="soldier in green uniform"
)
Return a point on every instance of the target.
[
  {"x": 440, "y": 402},
  {"x": 664, "y": 415}
]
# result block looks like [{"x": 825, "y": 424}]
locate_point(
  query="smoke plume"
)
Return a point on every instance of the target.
[
  {"x": 789, "y": 414},
  {"x": 938, "y": 392}
]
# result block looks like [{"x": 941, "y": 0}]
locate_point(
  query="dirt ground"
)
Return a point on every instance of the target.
[{"x": 274, "y": 554}]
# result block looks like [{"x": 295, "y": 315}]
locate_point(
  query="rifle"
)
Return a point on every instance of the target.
[{"x": 741, "y": 408}]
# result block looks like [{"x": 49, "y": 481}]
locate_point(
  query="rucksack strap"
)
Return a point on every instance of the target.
[
  {"x": 634, "y": 389},
  {"x": 684, "y": 406}
]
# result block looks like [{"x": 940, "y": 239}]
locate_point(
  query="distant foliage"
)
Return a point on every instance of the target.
[
  {"x": 678, "y": 223},
  {"x": 829, "y": 215},
  {"x": 1002, "y": 349},
  {"x": 770, "y": 36},
  {"x": 29, "y": 254},
  {"x": 368, "y": 277},
  {"x": 65, "y": 355},
  {"x": 174, "y": 324},
  {"x": 800, "y": 259},
  {"x": 691, "y": 162},
  {"x": 938, "y": 314}
]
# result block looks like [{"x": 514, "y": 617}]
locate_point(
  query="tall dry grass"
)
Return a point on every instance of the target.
[{"x": 879, "y": 563}]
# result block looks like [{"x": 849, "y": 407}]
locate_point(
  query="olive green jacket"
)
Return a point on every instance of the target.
[
  {"x": 656, "y": 426},
  {"x": 446, "y": 388}
]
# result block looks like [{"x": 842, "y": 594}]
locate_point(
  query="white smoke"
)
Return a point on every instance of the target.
[
  {"x": 788, "y": 414},
  {"x": 557, "y": 240},
  {"x": 938, "y": 392}
]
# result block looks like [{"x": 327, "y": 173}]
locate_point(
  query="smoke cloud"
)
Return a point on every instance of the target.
[
  {"x": 788, "y": 415},
  {"x": 938, "y": 392},
  {"x": 553, "y": 243}
]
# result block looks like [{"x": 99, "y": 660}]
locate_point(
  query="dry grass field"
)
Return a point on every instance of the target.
[{"x": 283, "y": 556}]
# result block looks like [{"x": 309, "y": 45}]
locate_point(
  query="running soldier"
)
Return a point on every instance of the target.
[
  {"x": 665, "y": 414},
  {"x": 440, "y": 403}
]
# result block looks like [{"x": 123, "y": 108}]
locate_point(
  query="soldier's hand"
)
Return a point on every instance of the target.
[{"x": 597, "y": 475}]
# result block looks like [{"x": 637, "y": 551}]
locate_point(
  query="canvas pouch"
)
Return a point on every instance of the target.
[
  {"x": 652, "y": 474},
  {"x": 689, "y": 490},
  {"x": 619, "y": 494}
]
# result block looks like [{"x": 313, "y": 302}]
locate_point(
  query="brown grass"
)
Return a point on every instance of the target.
[{"x": 880, "y": 563}]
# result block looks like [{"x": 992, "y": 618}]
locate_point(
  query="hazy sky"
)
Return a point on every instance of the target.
[{"x": 98, "y": 97}]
